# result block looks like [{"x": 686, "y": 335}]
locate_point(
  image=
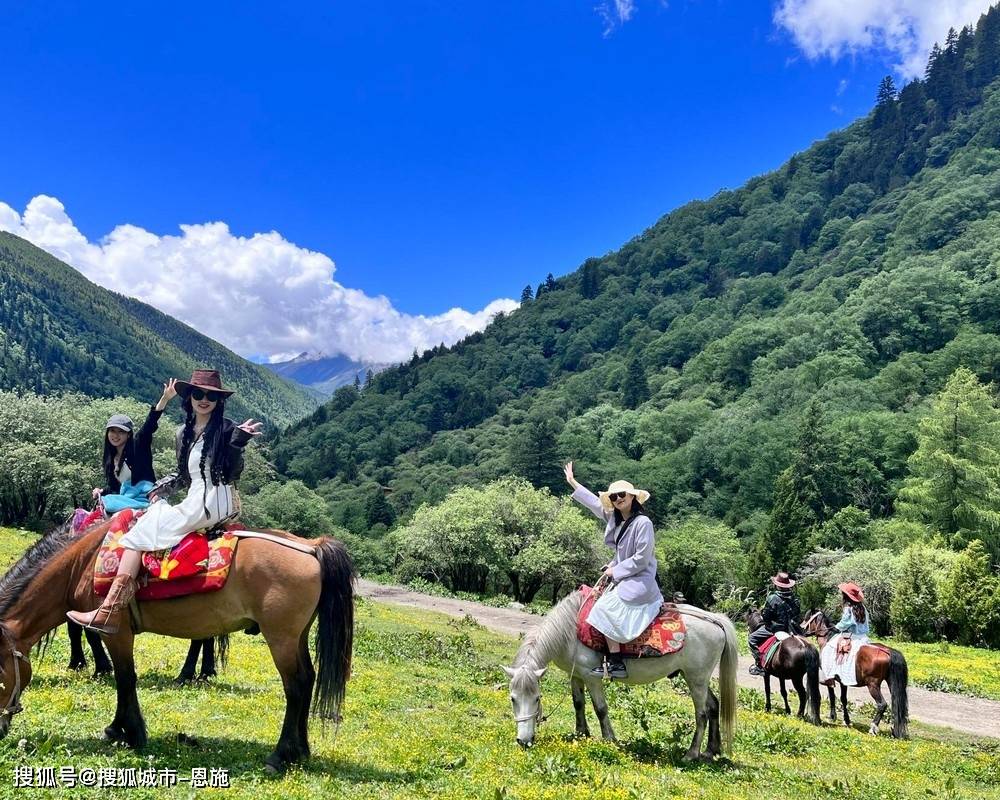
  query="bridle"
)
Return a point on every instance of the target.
[
  {"x": 817, "y": 633},
  {"x": 14, "y": 703}
]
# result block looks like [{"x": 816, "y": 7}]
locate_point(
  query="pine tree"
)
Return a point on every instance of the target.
[
  {"x": 886, "y": 92},
  {"x": 526, "y": 295},
  {"x": 378, "y": 510},
  {"x": 954, "y": 482},
  {"x": 534, "y": 455},
  {"x": 550, "y": 283},
  {"x": 357, "y": 382},
  {"x": 635, "y": 391},
  {"x": 590, "y": 280},
  {"x": 540, "y": 290},
  {"x": 369, "y": 377}
]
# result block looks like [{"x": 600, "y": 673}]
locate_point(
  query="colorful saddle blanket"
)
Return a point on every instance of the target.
[
  {"x": 192, "y": 566},
  {"x": 770, "y": 646},
  {"x": 665, "y": 634}
]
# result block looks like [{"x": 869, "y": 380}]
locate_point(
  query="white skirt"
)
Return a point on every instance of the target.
[
  {"x": 847, "y": 672},
  {"x": 620, "y": 621}
]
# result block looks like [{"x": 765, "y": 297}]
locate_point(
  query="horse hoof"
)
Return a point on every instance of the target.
[
  {"x": 113, "y": 733},
  {"x": 183, "y": 680},
  {"x": 274, "y": 765},
  {"x": 205, "y": 677},
  {"x": 76, "y": 666},
  {"x": 689, "y": 757}
]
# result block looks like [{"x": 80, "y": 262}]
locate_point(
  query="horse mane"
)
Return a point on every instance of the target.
[{"x": 556, "y": 630}]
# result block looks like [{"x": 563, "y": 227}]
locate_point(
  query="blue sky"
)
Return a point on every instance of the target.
[{"x": 442, "y": 154}]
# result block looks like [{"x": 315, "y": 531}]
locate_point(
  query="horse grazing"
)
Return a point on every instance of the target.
[
  {"x": 280, "y": 589},
  {"x": 710, "y": 640},
  {"x": 794, "y": 659},
  {"x": 875, "y": 664}
]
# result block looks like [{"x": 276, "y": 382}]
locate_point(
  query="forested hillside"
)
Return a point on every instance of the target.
[
  {"x": 61, "y": 333},
  {"x": 805, "y": 318}
]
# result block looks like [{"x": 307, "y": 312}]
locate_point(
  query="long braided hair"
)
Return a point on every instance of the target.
[
  {"x": 110, "y": 460},
  {"x": 215, "y": 448}
]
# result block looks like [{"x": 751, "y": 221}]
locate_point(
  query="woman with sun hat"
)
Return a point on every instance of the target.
[
  {"x": 209, "y": 461},
  {"x": 634, "y": 600}
]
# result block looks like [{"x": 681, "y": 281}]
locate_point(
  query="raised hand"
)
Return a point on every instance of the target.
[
  {"x": 568, "y": 472},
  {"x": 169, "y": 393},
  {"x": 251, "y": 427}
]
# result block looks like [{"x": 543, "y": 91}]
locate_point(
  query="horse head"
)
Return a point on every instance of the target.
[
  {"x": 814, "y": 622},
  {"x": 526, "y": 700},
  {"x": 15, "y": 672},
  {"x": 754, "y": 619}
]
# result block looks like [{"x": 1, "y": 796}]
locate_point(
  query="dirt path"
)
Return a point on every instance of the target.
[{"x": 972, "y": 715}]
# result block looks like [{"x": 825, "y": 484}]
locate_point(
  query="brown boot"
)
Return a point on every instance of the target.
[{"x": 104, "y": 619}]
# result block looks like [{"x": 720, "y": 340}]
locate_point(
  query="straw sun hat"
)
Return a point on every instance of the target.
[{"x": 622, "y": 486}]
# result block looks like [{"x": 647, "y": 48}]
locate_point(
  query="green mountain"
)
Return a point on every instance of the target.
[
  {"x": 61, "y": 333},
  {"x": 856, "y": 278}
]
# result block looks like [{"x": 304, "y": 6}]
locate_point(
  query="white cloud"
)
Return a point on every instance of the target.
[
  {"x": 615, "y": 13},
  {"x": 904, "y": 29},
  {"x": 260, "y": 295}
]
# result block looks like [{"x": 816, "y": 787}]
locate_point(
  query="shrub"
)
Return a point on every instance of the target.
[
  {"x": 875, "y": 571},
  {"x": 970, "y": 597},
  {"x": 914, "y": 610},
  {"x": 698, "y": 557}
]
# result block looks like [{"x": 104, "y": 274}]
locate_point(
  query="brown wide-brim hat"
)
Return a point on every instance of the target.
[
  {"x": 783, "y": 580},
  {"x": 208, "y": 380},
  {"x": 853, "y": 591}
]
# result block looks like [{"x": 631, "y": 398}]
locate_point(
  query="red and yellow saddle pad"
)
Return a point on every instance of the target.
[
  {"x": 665, "y": 634},
  {"x": 192, "y": 566}
]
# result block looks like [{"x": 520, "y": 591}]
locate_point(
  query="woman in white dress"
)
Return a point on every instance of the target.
[
  {"x": 209, "y": 460},
  {"x": 840, "y": 653}
]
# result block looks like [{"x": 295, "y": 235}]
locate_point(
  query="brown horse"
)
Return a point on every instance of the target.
[
  {"x": 277, "y": 588},
  {"x": 794, "y": 659},
  {"x": 876, "y": 663}
]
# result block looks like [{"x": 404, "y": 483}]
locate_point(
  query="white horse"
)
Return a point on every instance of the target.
[{"x": 710, "y": 641}]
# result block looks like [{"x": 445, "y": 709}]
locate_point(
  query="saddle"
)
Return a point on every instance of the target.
[
  {"x": 665, "y": 634},
  {"x": 198, "y": 563},
  {"x": 770, "y": 646}
]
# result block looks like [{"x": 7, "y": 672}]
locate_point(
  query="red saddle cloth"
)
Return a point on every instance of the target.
[
  {"x": 665, "y": 634},
  {"x": 767, "y": 650},
  {"x": 192, "y": 566}
]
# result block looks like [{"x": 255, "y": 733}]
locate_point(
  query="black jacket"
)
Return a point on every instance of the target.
[
  {"x": 782, "y": 613},
  {"x": 237, "y": 439},
  {"x": 140, "y": 459}
]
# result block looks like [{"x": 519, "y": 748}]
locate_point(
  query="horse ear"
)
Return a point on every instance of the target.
[
  {"x": 507, "y": 670},
  {"x": 539, "y": 672}
]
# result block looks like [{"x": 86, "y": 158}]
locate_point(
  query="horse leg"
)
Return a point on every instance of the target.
[
  {"x": 190, "y": 662},
  {"x": 600, "y": 703},
  {"x": 875, "y": 689},
  {"x": 699, "y": 694},
  {"x": 767, "y": 691},
  {"x": 295, "y": 680},
  {"x": 207, "y": 660},
  {"x": 580, "y": 707},
  {"x": 833, "y": 703},
  {"x": 102, "y": 664},
  {"x": 784, "y": 695},
  {"x": 714, "y": 734},
  {"x": 843, "y": 702},
  {"x": 309, "y": 681},
  {"x": 800, "y": 689},
  {"x": 128, "y": 726},
  {"x": 77, "y": 658}
]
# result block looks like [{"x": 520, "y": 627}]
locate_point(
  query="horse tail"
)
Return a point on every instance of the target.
[
  {"x": 812, "y": 681},
  {"x": 335, "y": 637},
  {"x": 898, "y": 678},
  {"x": 728, "y": 665}
]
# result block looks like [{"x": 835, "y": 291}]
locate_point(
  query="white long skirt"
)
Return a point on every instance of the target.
[
  {"x": 620, "y": 621},
  {"x": 164, "y": 525},
  {"x": 847, "y": 672}
]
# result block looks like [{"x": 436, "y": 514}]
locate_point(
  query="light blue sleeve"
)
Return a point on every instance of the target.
[{"x": 847, "y": 623}]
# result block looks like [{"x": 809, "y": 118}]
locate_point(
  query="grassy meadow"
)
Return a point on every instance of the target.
[{"x": 426, "y": 716}]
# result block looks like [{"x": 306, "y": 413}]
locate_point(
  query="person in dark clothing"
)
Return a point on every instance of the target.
[{"x": 781, "y": 614}]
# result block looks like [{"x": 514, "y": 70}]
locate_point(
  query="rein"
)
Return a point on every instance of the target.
[{"x": 14, "y": 703}]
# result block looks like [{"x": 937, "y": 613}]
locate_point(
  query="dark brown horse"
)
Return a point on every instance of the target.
[
  {"x": 281, "y": 590},
  {"x": 794, "y": 659},
  {"x": 876, "y": 663}
]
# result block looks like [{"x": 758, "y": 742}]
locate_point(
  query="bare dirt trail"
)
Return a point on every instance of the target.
[{"x": 971, "y": 715}]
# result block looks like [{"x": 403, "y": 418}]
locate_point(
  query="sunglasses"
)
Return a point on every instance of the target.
[
  {"x": 617, "y": 496},
  {"x": 198, "y": 395}
]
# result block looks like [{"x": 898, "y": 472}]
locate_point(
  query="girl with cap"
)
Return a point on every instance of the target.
[
  {"x": 209, "y": 460},
  {"x": 634, "y": 601},
  {"x": 841, "y": 652},
  {"x": 127, "y": 457}
]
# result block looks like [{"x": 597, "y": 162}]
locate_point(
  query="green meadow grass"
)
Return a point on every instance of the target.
[{"x": 428, "y": 716}]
